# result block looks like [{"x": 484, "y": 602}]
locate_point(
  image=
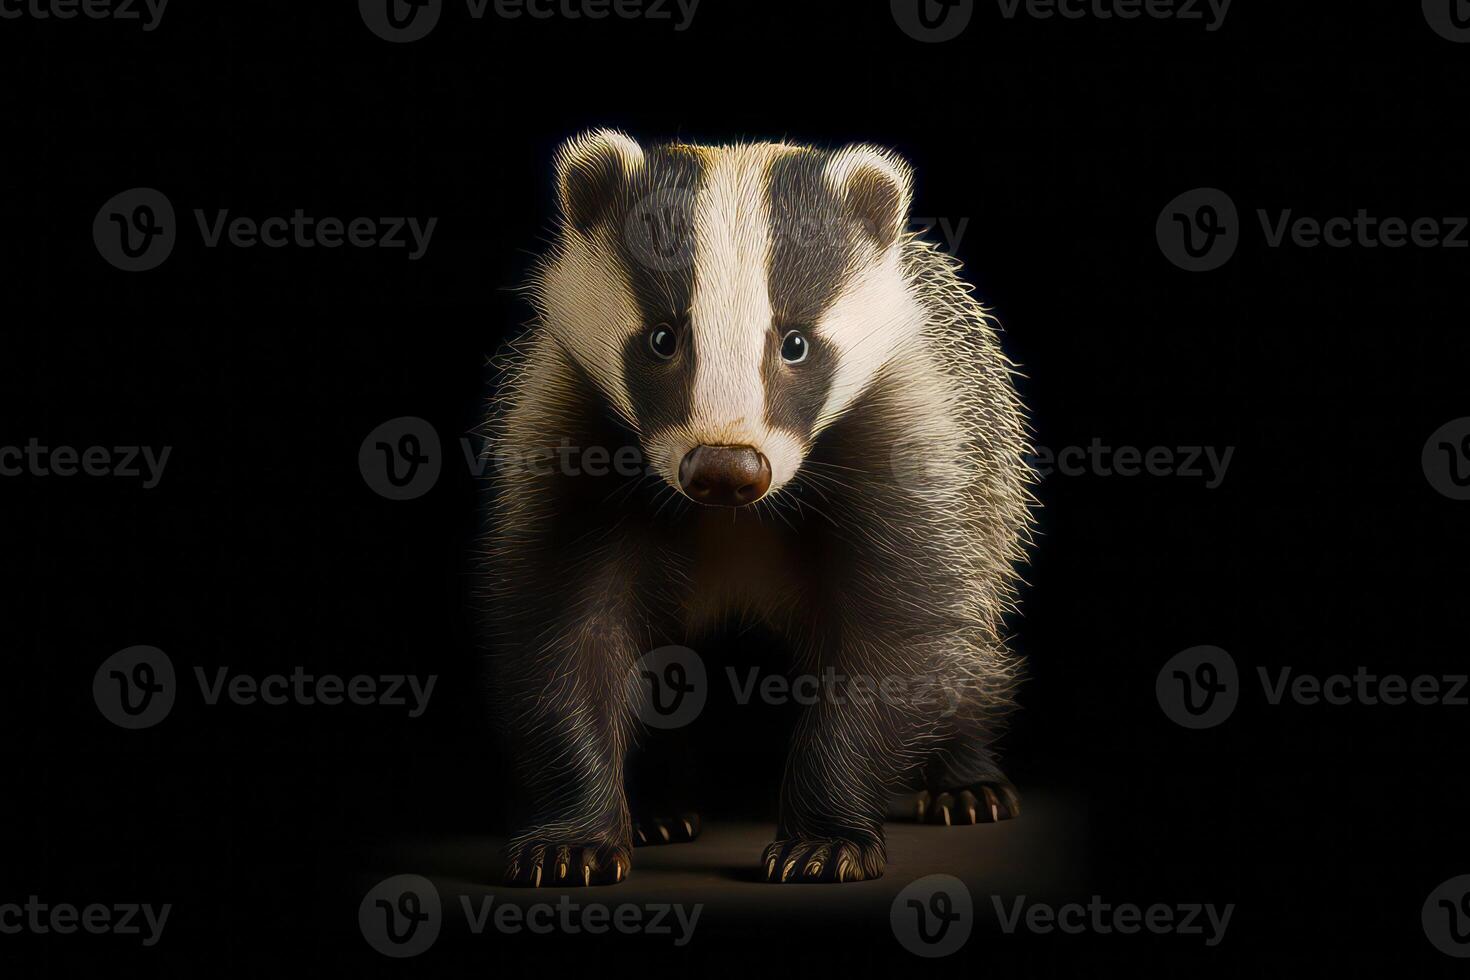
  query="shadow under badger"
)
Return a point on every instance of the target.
[{"x": 831, "y": 445}]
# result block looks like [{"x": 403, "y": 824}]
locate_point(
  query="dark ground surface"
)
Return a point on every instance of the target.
[{"x": 1039, "y": 855}]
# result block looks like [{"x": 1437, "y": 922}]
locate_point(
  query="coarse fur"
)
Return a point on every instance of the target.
[{"x": 887, "y": 546}]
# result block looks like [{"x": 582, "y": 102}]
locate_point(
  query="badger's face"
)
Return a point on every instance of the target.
[{"x": 729, "y": 302}]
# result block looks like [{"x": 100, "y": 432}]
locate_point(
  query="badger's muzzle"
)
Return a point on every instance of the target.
[{"x": 725, "y": 476}]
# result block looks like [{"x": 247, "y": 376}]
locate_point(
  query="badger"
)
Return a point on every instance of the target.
[{"x": 830, "y": 443}]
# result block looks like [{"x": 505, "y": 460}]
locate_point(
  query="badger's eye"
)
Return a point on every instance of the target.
[
  {"x": 794, "y": 347},
  {"x": 663, "y": 341}
]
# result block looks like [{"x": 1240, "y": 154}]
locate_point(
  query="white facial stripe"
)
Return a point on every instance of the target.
[
  {"x": 732, "y": 302},
  {"x": 875, "y": 316}
]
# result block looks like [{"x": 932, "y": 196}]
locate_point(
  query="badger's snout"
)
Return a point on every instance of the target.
[{"x": 725, "y": 476}]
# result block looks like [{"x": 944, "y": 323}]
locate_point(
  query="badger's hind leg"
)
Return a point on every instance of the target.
[
  {"x": 675, "y": 827},
  {"x": 663, "y": 783},
  {"x": 962, "y": 786},
  {"x": 976, "y": 803}
]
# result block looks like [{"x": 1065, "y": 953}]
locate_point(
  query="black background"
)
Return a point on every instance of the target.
[{"x": 1325, "y": 548}]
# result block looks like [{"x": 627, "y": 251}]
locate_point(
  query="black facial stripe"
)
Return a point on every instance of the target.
[
  {"x": 795, "y": 393},
  {"x": 661, "y": 391},
  {"x": 814, "y": 251},
  {"x": 652, "y": 228},
  {"x": 814, "y": 239}
]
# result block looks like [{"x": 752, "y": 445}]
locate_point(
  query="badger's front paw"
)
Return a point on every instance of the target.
[
  {"x": 980, "y": 803},
  {"x": 821, "y": 859},
  {"x": 538, "y": 863}
]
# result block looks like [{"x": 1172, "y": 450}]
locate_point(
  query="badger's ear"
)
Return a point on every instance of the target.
[
  {"x": 878, "y": 187},
  {"x": 591, "y": 171}
]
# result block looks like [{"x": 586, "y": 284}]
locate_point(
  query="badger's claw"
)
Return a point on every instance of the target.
[
  {"x": 651, "y": 831},
  {"x": 980, "y": 803},
  {"x": 540, "y": 863},
  {"x": 824, "y": 859}
]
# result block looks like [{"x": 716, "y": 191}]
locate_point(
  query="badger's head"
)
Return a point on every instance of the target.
[{"x": 729, "y": 302}]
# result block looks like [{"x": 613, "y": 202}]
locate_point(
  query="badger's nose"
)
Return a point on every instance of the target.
[{"x": 725, "y": 476}]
